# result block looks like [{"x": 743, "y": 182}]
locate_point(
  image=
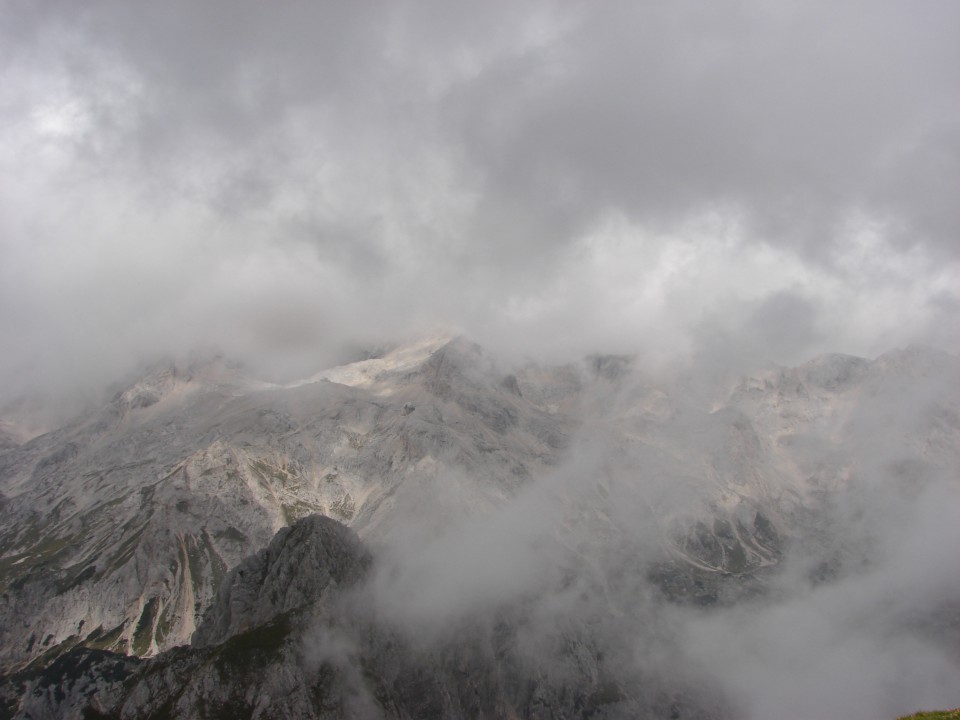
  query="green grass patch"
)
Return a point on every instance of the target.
[
  {"x": 53, "y": 653},
  {"x": 144, "y": 631},
  {"x": 218, "y": 568},
  {"x": 165, "y": 623},
  {"x": 104, "y": 640},
  {"x": 203, "y": 559},
  {"x": 51, "y": 547},
  {"x": 76, "y": 576},
  {"x": 126, "y": 550},
  {"x": 38, "y": 555}
]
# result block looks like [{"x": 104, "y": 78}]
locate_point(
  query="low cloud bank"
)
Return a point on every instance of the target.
[{"x": 858, "y": 618}]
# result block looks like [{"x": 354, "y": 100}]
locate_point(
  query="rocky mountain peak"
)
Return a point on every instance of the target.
[
  {"x": 300, "y": 566},
  {"x": 168, "y": 378},
  {"x": 375, "y": 373}
]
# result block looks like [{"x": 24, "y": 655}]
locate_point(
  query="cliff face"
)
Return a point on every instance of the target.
[{"x": 301, "y": 566}]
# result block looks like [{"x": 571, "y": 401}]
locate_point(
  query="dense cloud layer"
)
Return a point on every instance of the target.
[
  {"x": 731, "y": 180},
  {"x": 858, "y": 619}
]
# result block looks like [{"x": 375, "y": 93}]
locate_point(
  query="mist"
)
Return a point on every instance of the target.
[
  {"x": 856, "y": 618},
  {"x": 736, "y": 183}
]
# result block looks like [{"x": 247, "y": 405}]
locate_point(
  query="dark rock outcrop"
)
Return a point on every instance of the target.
[{"x": 301, "y": 566}]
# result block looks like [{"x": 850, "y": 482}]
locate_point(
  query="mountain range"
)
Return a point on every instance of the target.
[{"x": 430, "y": 532}]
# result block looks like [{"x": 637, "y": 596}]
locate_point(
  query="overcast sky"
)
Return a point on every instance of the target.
[{"x": 731, "y": 178}]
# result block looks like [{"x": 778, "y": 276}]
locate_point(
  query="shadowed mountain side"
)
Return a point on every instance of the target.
[{"x": 274, "y": 646}]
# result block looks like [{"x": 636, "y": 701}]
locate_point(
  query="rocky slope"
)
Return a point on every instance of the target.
[
  {"x": 121, "y": 526},
  {"x": 311, "y": 647},
  {"x": 595, "y": 483}
]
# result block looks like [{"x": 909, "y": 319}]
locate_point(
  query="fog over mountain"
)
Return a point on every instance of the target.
[
  {"x": 552, "y": 179},
  {"x": 584, "y": 540},
  {"x": 439, "y": 359}
]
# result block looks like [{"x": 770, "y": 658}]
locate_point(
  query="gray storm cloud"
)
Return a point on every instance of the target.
[{"x": 552, "y": 179}]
